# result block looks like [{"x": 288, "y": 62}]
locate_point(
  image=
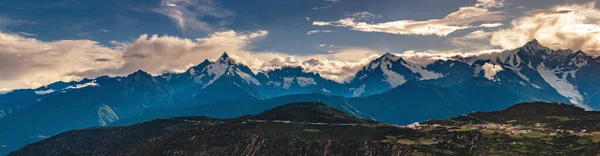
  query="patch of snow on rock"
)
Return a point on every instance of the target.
[
  {"x": 192, "y": 71},
  {"x": 44, "y": 92},
  {"x": 79, "y": 86},
  {"x": 562, "y": 86},
  {"x": 217, "y": 70},
  {"x": 393, "y": 78},
  {"x": 247, "y": 77},
  {"x": 359, "y": 91},
  {"x": 106, "y": 115},
  {"x": 518, "y": 72},
  {"x": 198, "y": 79},
  {"x": 425, "y": 74}
]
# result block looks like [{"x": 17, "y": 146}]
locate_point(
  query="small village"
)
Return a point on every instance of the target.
[{"x": 507, "y": 128}]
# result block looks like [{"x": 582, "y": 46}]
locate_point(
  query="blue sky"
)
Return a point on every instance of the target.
[
  {"x": 38, "y": 36},
  {"x": 125, "y": 20}
]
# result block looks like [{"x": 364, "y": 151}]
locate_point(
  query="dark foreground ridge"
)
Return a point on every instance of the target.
[
  {"x": 318, "y": 129},
  {"x": 307, "y": 112}
]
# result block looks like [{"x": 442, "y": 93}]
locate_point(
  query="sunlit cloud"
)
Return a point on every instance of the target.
[
  {"x": 31, "y": 63},
  {"x": 27, "y": 62},
  {"x": 490, "y": 3},
  {"x": 365, "y": 15},
  {"x": 459, "y": 20},
  {"x": 575, "y": 26}
]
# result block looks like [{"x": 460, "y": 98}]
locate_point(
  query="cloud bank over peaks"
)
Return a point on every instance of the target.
[
  {"x": 30, "y": 63},
  {"x": 339, "y": 65},
  {"x": 573, "y": 26},
  {"x": 27, "y": 62}
]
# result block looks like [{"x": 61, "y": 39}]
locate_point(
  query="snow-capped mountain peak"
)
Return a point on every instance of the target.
[
  {"x": 535, "y": 46},
  {"x": 390, "y": 56},
  {"x": 226, "y": 59}
]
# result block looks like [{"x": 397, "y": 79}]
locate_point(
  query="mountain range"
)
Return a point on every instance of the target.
[{"x": 389, "y": 89}]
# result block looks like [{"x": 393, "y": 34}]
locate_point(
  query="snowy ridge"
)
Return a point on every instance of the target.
[
  {"x": 425, "y": 74},
  {"x": 247, "y": 77},
  {"x": 77, "y": 86},
  {"x": 562, "y": 86},
  {"x": 216, "y": 70},
  {"x": 44, "y": 92},
  {"x": 393, "y": 78},
  {"x": 209, "y": 72},
  {"x": 106, "y": 115},
  {"x": 359, "y": 91}
]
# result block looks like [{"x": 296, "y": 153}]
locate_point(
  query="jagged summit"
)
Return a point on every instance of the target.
[
  {"x": 225, "y": 58},
  {"x": 389, "y": 56},
  {"x": 206, "y": 61},
  {"x": 535, "y": 46},
  {"x": 139, "y": 73},
  {"x": 224, "y": 55},
  {"x": 534, "y": 42}
]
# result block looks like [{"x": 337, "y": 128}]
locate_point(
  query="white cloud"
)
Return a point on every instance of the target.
[
  {"x": 364, "y": 15},
  {"x": 475, "y": 41},
  {"x": 490, "y": 3},
  {"x": 428, "y": 57},
  {"x": 187, "y": 13},
  {"x": 30, "y": 63},
  {"x": 158, "y": 54},
  {"x": 490, "y": 70},
  {"x": 26, "y": 34},
  {"x": 490, "y": 25},
  {"x": 574, "y": 26},
  {"x": 461, "y": 19},
  {"x": 338, "y": 65},
  {"x": 27, "y": 62},
  {"x": 322, "y": 7},
  {"x": 318, "y": 31},
  {"x": 479, "y": 34},
  {"x": 307, "y": 19}
]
